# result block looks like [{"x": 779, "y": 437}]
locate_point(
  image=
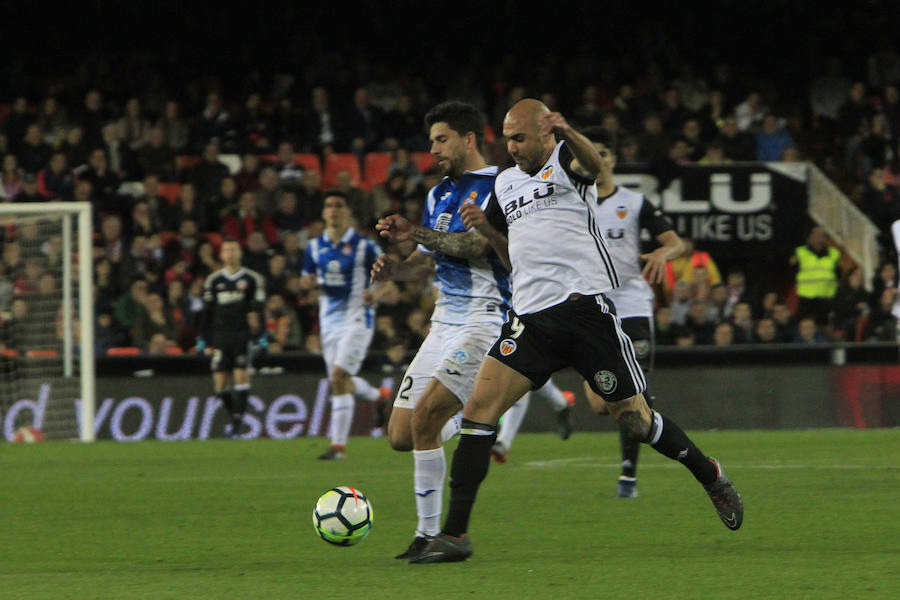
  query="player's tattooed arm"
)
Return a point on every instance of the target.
[{"x": 470, "y": 244}]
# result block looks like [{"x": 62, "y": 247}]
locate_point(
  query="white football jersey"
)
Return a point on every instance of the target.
[
  {"x": 621, "y": 217},
  {"x": 555, "y": 244}
]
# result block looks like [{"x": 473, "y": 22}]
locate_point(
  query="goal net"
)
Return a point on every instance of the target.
[{"x": 46, "y": 320}]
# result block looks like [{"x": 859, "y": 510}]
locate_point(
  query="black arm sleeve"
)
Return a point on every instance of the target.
[{"x": 653, "y": 220}]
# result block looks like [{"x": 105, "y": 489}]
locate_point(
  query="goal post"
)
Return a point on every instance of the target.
[{"x": 48, "y": 345}]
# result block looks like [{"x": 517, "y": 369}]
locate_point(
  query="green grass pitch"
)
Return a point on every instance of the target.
[{"x": 233, "y": 520}]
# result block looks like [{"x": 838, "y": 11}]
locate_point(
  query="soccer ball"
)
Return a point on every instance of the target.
[{"x": 342, "y": 516}]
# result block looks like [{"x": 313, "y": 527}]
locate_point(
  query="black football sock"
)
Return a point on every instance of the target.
[
  {"x": 240, "y": 405},
  {"x": 630, "y": 450},
  {"x": 226, "y": 397},
  {"x": 667, "y": 438},
  {"x": 469, "y": 468}
]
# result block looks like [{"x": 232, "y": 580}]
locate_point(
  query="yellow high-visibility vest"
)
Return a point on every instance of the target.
[{"x": 817, "y": 277}]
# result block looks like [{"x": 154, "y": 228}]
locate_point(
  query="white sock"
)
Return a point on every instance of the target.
[
  {"x": 512, "y": 420},
  {"x": 451, "y": 427},
  {"x": 362, "y": 389},
  {"x": 341, "y": 418},
  {"x": 428, "y": 481},
  {"x": 553, "y": 395}
]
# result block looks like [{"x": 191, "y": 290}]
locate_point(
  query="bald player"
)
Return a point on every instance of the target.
[{"x": 559, "y": 318}]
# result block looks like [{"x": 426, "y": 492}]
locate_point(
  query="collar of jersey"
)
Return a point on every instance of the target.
[
  {"x": 344, "y": 239},
  {"x": 600, "y": 200},
  {"x": 237, "y": 274},
  {"x": 488, "y": 170}
]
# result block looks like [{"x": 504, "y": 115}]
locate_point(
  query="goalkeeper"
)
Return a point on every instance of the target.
[{"x": 231, "y": 328}]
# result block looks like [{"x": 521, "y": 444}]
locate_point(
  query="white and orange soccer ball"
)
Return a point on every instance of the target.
[
  {"x": 343, "y": 516},
  {"x": 28, "y": 435}
]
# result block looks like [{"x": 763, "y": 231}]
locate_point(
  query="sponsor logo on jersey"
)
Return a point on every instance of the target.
[
  {"x": 442, "y": 223},
  {"x": 621, "y": 211},
  {"x": 606, "y": 381},
  {"x": 507, "y": 347},
  {"x": 542, "y": 197},
  {"x": 548, "y": 171}
]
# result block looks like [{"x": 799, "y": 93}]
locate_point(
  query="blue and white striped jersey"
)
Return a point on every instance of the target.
[
  {"x": 342, "y": 270},
  {"x": 469, "y": 290}
]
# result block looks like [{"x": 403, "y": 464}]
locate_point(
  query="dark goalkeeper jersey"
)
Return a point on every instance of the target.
[{"x": 227, "y": 300}]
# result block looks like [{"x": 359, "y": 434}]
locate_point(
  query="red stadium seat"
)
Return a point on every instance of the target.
[
  {"x": 174, "y": 350},
  {"x": 423, "y": 160},
  {"x": 42, "y": 353},
  {"x": 9, "y": 353},
  {"x": 123, "y": 351},
  {"x": 215, "y": 239},
  {"x": 170, "y": 191},
  {"x": 310, "y": 162},
  {"x": 184, "y": 162},
  {"x": 335, "y": 163},
  {"x": 167, "y": 237},
  {"x": 375, "y": 170}
]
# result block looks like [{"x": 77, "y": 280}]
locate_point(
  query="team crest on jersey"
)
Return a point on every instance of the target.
[
  {"x": 470, "y": 199},
  {"x": 442, "y": 223},
  {"x": 347, "y": 250},
  {"x": 241, "y": 285},
  {"x": 621, "y": 211},
  {"x": 548, "y": 171},
  {"x": 507, "y": 347},
  {"x": 606, "y": 381}
]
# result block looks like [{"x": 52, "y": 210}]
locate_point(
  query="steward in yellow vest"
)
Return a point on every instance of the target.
[{"x": 817, "y": 276}]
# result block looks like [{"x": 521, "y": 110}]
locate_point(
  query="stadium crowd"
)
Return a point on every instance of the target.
[{"x": 170, "y": 173}]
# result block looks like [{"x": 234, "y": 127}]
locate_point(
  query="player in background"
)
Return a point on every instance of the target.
[
  {"x": 621, "y": 216},
  {"x": 561, "y": 401},
  {"x": 559, "y": 317},
  {"x": 472, "y": 297},
  {"x": 339, "y": 261},
  {"x": 233, "y": 301}
]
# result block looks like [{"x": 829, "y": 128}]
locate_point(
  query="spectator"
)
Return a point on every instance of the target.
[
  {"x": 156, "y": 156},
  {"x": 246, "y": 219},
  {"x": 742, "y": 321},
  {"x": 120, "y": 157},
  {"x": 215, "y": 126},
  {"x": 855, "y": 111},
  {"x": 322, "y": 125},
  {"x": 224, "y": 203},
  {"x": 56, "y": 181},
  {"x": 738, "y": 145},
  {"x": 287, "y": 217},
  {"x": 698, "y": 323},
  {"x": 142, "y": 221},
  {"x": 127, "y": 308},
  {"x": 108, "y": 333},
  {"x": 817, "y": 265},
  {"x": 186, "y": 207},
  {"x": 653, "y": 142},
  {"x": 785, "y": 324},
  {"x": 663, "y": 326},
  {"x": 750, "y": 113},
  {"x": 364, "y": 124},
  {"x": 715, "y": 154},
  {"x": 175, "y": 128},
  {"x": 282, "y": 325},
  {"x": 882, "y": 325},
  {"x": 208, "y": 174},
  {"x": 154, "y": 318},
  {"x": 255, "y": 126},
  {"x": 158, "y": 205},
  {"x": 133, "y": 127},
  {"x": 288, "y": 124},
  {"x": 404, "y": 126},
  {"x": 684, "y": 267},
  {"x": 256, "y": 255},
  {"x": 74, "y": 146},
  {"x": 33, "y": 153},
  {"x": 104, "y": 183},
  {"x": 765, "y": 331},
  {"x": 247, "y": 177},
  {"x": 851, "y": 303},
  {"x": 92, "y": 118},
  {"x": 772, "y": 140},
  {"x": 276, "y": 275},
  {"x": 807, "y": 333},
  {"x": 723, "y": 334},
  {"x": 269, "y": 190},
  {"x": 10, "y": 178},
  {"x": 290, "y": 172},
  {"x": 29, "y": 192}
]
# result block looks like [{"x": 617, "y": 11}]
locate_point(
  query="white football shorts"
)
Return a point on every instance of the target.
[
  {"x": 452, "y": 354},
  {"x": 346, "y": 348}
]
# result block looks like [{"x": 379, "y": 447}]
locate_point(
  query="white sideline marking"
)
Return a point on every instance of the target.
[{"x": 595, "y": 462}]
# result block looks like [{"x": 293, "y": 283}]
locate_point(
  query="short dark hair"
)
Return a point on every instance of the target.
[
  {"x": 602, "y": 135},
  {"x": 461, "y": 117},
  {"x": 336, "y": 192}
]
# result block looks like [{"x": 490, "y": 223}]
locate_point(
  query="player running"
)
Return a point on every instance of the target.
[
  {"x": 339, "y": 261},
  {"x": 233, "y": 300},
  {"x": 472, "y": 297},
  {"x": 559, "y": 318},
  {"x": 621, "y": 215}
]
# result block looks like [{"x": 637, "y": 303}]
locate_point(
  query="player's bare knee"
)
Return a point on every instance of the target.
[
  {"x": 426, "y": 421},
  {"x": 341, "y": 382},
  {"x": 400, "y": 441}
]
